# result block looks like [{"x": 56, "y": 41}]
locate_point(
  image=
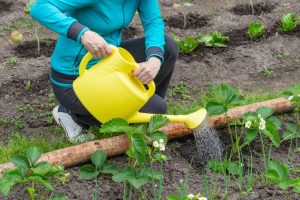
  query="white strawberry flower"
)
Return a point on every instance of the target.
[
  {"x": 162, "y": 147},
  {"x": 161, "y": 141},
  {"x": 190, "y": 196},
  {"x": 155, "y": 144},
  {"x": 291, "y": 98},
  {"x": 262, "y": 126},
  {"x": 248, "y": 124},
  {"x": 202, "y": 198}
]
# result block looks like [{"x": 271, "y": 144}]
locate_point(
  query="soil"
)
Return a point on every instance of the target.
[
  {"x": 29, "y": 49},
  {"x": 256, "y": 9},
  {"x": 241, "y": 64},
  {"x": 5, "y": 6}
]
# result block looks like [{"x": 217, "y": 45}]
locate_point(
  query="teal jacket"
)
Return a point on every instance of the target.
[{"x": 71, "y": 18}]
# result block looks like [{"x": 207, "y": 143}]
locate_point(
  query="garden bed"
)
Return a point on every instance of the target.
[{"x": 270, "y": 63}]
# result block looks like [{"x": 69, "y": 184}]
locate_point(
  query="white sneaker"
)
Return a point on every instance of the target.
[{"x": 64, "y": 119}]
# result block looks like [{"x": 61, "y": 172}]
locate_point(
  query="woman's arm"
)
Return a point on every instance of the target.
[
  {"x": 51, "y": 13},
  {"x": 154, "y": 29}
]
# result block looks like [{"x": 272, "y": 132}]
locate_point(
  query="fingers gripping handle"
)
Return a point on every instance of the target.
[{"x": 87, "y": 57}]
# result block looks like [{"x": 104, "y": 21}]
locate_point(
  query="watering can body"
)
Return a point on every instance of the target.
[{"x": 109, "y": 90}]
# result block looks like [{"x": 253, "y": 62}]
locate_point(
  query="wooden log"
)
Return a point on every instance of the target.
[{"x": 78, "y": 154}]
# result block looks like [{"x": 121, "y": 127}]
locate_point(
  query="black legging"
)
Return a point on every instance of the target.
[{"x": 156, "y": 104}]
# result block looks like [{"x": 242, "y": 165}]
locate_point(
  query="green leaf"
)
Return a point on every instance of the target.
[
  {"x": 116, "y": 125},
  {"x": 215, "y": 108},
  {"x": 98, "y": 159},
  {"x": 236, "y": 122},
  {"x": 273, "y": 136},
  {"x": 256, "y": 30},
  {"x": 272, "y": 133},
  {"x": 218, "y": 166},
  {"x": 31, "y": 192},
  {"x": 236, "y": 99},
  {"x": 137, "y": 182},
  {"x": 288, "y": 22},
  {"x": 275, "y": 121},
  {"x": 156, "y": 122},
  {"x": 295, "y": 182},
  {"x": 39, "y": 180},
  {"x": 8, "y": 181},
  {"x": 233, "y": 168},
  {"x": 284, "y": 184},
  {"x": 138, "y": 147},
  {"x": 122, "y": 175},
  {"x": 272, "y": 175},
  {"x": 109, "y": 169},
  {"x": 224, "y": 92},
  {"x": 157, "y": 135},
  {"x": 250, "y": 136},
  {"x": 33, "y": 154},
  {"x": 265, "y": 112},
  {"x": 59, "y": 197},
  {"x": 280, "y": 169},
  {"x": 160, "y": 157},
  {"x": 20, "y": 161},
  {"x": 292, "y": 132},
  {"x": 151, "y": 173},
  {"x": 287, "y": 94},
  {"x": 297, "y": 189},
  {"x": 45, "y": 169},
  {"x": 172, "y": 197},
  {"x": 88, "y": 172}
]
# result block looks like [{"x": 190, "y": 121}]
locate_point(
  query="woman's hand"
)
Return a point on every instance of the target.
[
  {"x": 148, "y": 70},
  {"x": 95, "y": 44}
]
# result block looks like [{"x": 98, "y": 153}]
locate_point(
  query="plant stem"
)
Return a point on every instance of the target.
[
  {"x": 250, "y": 174},
  {"x": 263, "y": 150},
  {"x": 160, "y": 188},
  {"x": 125, "y": 191},
  {"x": 36, "y": 35},
  {"x": 153, "y": 183}
]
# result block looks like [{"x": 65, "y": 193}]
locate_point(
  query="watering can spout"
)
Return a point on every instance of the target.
[{"x": 192, "y": 120}]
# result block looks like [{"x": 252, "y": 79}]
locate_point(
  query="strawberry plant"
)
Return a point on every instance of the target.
[
  {"x": 35, "y": 176},
  {"x": 292, "y": 132},
  {"x": 216, "y": 39},
  {"x": 92, "y": 171},
  {"x": 279, "y": 174},
  {"x": 262, "y": 121},
  {"x": 293, "y": 95},
  {"x": 137, "y": 174},
  {"x": 187, "y": 44},
  {"x": 289, "y": 22},
  {"x": 225, "y": 166},
  {"x": 224, "y": 97},
  {"x": 256, "y": 30}
]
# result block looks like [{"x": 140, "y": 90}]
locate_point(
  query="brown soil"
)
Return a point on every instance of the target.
[
  {"x": 257, "y": 9},
  {"x": 192, "y": 20},
  {"x": 5, "y": 6},
  {"x": 29, "y": 49},
  {"x": 241, "y": 64}
]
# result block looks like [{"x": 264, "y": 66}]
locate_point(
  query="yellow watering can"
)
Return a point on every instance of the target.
[{"x": 109, "y": 90}]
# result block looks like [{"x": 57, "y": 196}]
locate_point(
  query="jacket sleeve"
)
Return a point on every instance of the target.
[
  {"x": 52, "y": 14},
  {"x": 154, "y": 29}
]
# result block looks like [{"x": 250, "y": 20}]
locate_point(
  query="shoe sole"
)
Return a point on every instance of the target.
[{"x": 55, "y": 115}]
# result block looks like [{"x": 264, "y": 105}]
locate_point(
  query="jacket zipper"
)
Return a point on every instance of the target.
[
  {"x": 76, "y": 60},
  {"x": 123, "y": 12}
]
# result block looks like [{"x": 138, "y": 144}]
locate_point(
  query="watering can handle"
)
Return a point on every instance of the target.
[{"x": 88, "y": 56}]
